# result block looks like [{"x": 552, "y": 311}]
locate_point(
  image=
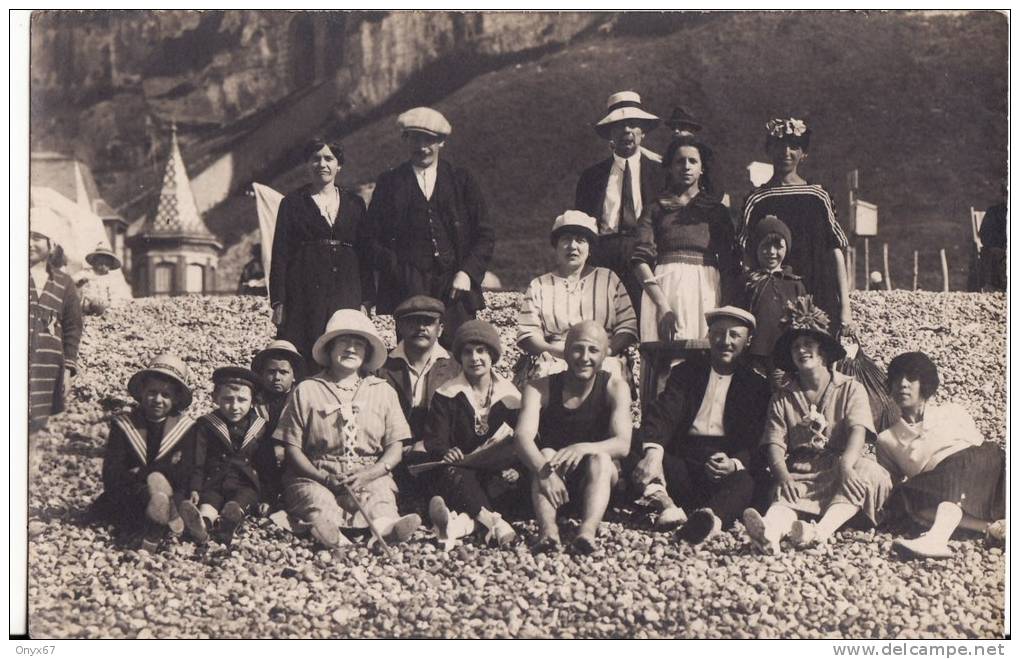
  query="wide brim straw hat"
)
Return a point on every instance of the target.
[
  {"x": 45, "y": 222},
  {"x": 166, "y": 365},
  {"x": 280, "y": 349},
  {"x": 622, "y": 106},
  {"x": 103, "y": 251},
  {"x": 804, "y": 319},
  {"x": 351, "y": 321}
]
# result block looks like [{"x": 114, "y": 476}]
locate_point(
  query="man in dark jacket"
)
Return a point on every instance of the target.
[
  {"x": 434, "y": 236},
  {"x": 700, "y": 437},
  {"x": 615, "y": 190}
]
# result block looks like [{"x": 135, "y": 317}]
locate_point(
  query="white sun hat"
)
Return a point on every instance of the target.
[{"x": 622, "y": 106}]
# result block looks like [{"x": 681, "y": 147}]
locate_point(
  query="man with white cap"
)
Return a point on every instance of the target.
[
  {"x": 699, "y": 438},
  {"x": 615, "y": 190},
  {"x": 434, "y": 236}
]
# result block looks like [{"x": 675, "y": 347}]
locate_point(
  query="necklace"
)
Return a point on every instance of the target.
[{"x": 482, "y": 413}]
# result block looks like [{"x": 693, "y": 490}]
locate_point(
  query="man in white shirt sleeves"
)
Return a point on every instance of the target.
[{"x": 698, "y": 440}]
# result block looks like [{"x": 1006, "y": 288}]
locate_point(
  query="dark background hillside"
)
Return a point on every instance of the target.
[{"x": 917, "y": 103}]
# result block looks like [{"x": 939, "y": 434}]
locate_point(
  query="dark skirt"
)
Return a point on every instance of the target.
[{"x": 974, "y": 478}]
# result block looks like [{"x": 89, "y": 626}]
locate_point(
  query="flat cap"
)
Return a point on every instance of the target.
[
  {"x": 424, "y": 120},
  {"x": 420, "y": 305},
  {"x": 736, "y": 313}
]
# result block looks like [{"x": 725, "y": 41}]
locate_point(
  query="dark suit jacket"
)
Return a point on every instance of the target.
[
  {"x": 668, "y": 420},
  {"x": 395, "y": 372},
  {"x": 591, "y": 187},
  {"x": 463, "y": 210}
]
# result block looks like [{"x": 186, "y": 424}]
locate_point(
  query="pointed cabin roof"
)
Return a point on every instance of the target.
[{"x": 177, "y": 215}]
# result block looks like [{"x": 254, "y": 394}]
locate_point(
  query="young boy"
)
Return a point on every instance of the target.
[
  {"x": 144, "y": 452},
  {"x": 223, "y": 484},
  {"x": 280, "y": 366},
  {"x": 768, "y": 287}
]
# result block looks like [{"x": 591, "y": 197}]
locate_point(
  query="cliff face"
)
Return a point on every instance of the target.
[{"x": 105, "y": 85}]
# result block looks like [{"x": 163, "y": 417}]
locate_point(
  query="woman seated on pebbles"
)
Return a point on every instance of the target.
[
  {"x": 574, "y": 291},
  {"x": 814, "y": 440},
  {"x": 947, "y": 475},
  {"x": 582, "y": 421},
  {"x": 470, "y": 423},
  {"x": 343, "y": 431}
]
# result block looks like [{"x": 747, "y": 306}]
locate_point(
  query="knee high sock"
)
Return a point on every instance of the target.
[
  {"x": 835, "y": 516},
  {"x": 778, "y": 521},
  {"x": 947, "y": 518}
]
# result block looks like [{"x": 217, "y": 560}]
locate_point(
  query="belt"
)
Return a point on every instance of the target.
[{"x": 690, "y": 257}]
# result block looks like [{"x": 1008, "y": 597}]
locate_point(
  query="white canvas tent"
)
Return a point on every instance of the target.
[{"x": 82, "y": 229}]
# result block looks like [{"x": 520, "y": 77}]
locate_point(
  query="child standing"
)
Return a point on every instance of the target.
[
  {"x": 144, "y": 450},
  {"x": 768, "y": 287},
  {"x": 222, "y": 480},
  {"x": 280, "y": 366}
]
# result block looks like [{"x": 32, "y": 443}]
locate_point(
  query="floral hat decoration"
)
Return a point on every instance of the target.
[
  {"x": 790, "y": 128},
  {"x": 804, "y": 318}
]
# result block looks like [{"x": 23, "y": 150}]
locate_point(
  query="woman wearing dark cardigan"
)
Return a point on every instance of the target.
[
  {"x": 322, "y": 252},
  {"x": 466, "y": 412}
]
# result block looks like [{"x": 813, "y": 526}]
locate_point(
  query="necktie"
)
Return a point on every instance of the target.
[{"x": 627, "y": 217}]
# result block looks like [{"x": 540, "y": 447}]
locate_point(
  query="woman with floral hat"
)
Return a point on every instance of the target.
[
  {"x": 342, "y": 431},
  {"x": 814, "y": 441},
  {"x": 817, "y": 254},
  {"x": 54, "y": 320}
]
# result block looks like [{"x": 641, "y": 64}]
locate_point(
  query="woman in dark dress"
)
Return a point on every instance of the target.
[
  {"x": 817, "y": 254},
  {"x": 322, "y": 258}
]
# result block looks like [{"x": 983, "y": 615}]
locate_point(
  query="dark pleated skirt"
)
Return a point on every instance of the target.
[{"x": 974, "y": 478}]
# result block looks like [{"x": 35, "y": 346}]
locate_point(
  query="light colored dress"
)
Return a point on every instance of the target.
[
  {"x": 552, "y": 304},
  {"x": 814, "y": 438},
  {"x": 339, "y": 437}
]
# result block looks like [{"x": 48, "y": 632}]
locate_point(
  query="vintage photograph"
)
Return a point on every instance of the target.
[{"x": 516, "y": 325}]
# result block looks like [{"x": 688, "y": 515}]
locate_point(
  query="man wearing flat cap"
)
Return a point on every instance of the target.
[
  {"x": 418, "y": 365},
  {"x": 434, "y": 235},
  {"x": 615, "y": 190},
  {"x": 699, "y": 438}
]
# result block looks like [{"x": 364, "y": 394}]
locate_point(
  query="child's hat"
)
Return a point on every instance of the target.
[
  {"x": 771, "y": 224},
  {"x": 102, "y": 251},
  {"x": 280, "y": 349},
  {"x": 168, "y": 366},
  {"x": 237, "y": 375}
]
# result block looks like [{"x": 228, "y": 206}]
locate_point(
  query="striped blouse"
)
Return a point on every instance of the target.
[
  {"x": 550, "y": 306},
  {"x": 54, "y": 321},
  {"x": 807, "y": 211}
]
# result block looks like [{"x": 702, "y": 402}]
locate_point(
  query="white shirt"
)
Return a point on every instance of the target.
[
  {"x": 614, "y": 190},
  {"x": 427, "y": 178},
  {"x": 709, "y": 420},
  {"x": 418, "y": 377}
]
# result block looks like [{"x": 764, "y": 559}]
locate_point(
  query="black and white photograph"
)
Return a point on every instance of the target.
[{"x": 435, "y": 324}]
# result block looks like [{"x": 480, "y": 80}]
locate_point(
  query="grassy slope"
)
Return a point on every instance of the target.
[{"x": 917, "y": 103}]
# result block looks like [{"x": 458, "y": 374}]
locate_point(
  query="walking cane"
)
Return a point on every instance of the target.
[{"x": 375, "y": 532}]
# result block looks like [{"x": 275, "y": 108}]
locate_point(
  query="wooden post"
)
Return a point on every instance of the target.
[
  {"x": 867, "y": 265},
  {"x": 885, "y": 266},
  {"x": 915, "y": 270},
  {"x": 945, "y": 271},
  {"x": 851, "y": 270}
]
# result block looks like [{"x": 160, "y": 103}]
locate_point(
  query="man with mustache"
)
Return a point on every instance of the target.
[
  {"x": 615, "y": 190},
  {"x": 434, "y": 238},
  {"x": 699, "y": 438}
]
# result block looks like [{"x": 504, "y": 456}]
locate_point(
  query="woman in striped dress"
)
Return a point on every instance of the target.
[
  {"x": 574, "y": 291},
  {"x": 817, "y": 253},
  {"x": 54, "y": 317}
]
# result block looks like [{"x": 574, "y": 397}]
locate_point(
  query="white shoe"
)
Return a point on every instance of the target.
[
  {"x": 995, "y": 533},
  {"x": 448, "y": 526},
  {"x": 804, "y": 534},
  {"x": 670, "y": 515},
  {"x": 499, "y": 530},
  {"x": 757, "y": 531},
  {"x": 923, "y": 546}
]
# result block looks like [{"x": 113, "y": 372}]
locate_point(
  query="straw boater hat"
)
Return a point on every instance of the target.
[
  {"x": 803, "y": 318},
  {"x": 575, "y": 222},
  {"x": 100, "y": 251},
  {"x": 280, "y": 349},
  {"x": 351, "y": 321},
  {"x": 168, "y": 366},
  {"x": 622, "y": 106}
]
